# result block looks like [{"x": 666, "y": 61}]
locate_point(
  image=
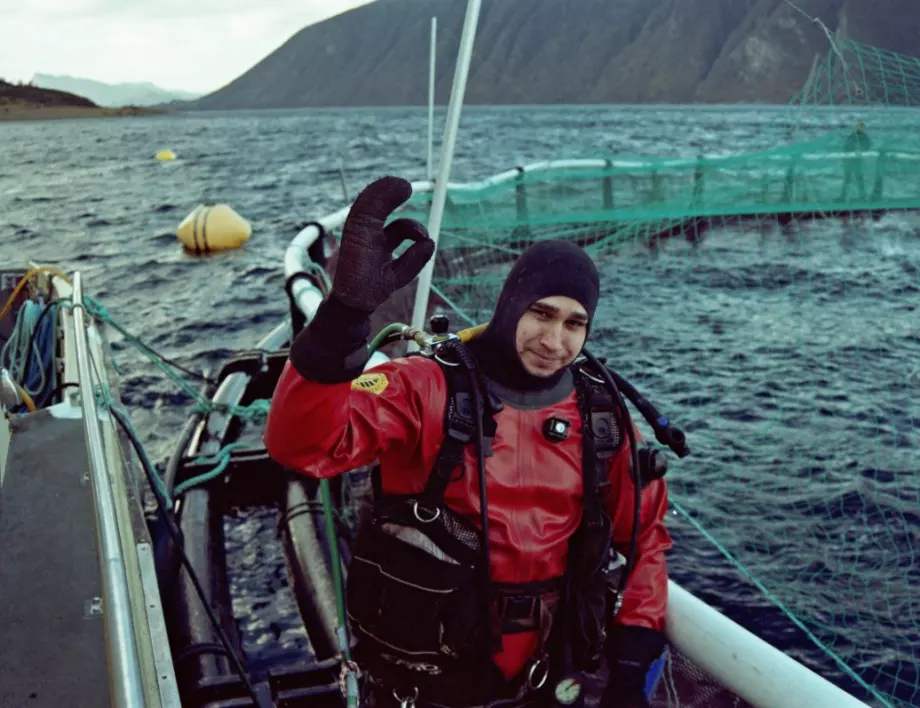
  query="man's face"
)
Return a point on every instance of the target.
[{"x": 551, "y": 334}]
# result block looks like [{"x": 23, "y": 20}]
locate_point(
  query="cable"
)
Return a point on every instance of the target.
[
  {"x": 17, "y": 351},
  {"x": 817, "y": 21},
  {"x": 477, "y": 386},
  {"x": 25, "y": 364},
  {"x": 175, "y": 534},
  {"x": 24, "y": 280}
]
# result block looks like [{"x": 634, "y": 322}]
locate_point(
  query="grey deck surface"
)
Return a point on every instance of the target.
[{"x": 51, "y": 653}]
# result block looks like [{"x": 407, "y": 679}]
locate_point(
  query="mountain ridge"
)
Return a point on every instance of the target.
[
  {"x": 27, "y": 102},
  {"x": 112, "y": 95},
  {"x": 630, "y": 51}
]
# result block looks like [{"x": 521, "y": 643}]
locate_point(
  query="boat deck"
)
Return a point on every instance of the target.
[{"x": 53, "y": 644}]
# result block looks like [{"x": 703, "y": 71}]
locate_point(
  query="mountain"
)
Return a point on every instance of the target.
[
  {"x": 27, "y": 94},
  {"x": 28, "y": 102},
  {"x": 113, "y": 95},
  {"x": 566, "y": 51}
]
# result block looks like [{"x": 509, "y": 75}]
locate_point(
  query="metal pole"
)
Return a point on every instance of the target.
[
  {"x": 447, "y": 153},
  {"x": 124, "y": 664},
  {"x": 431, "y": 65}
]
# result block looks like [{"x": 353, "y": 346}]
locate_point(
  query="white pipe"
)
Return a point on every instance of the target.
[
  {"x": 431, "y": 64},
  {"x": 447, "y": 154},
  {"x": 306, "y": 296},
  {"x": 753, "y": 669}
]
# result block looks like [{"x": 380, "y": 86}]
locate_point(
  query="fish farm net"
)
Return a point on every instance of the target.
[{"x": 836, "y": 569}]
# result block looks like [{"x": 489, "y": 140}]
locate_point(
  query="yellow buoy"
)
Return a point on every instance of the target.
[
  {"x": 213, "y": 228},
  {"x": 165, "y": 155}
]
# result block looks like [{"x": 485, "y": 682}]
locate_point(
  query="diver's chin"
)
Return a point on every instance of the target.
[{"x": 540, "y": 366}]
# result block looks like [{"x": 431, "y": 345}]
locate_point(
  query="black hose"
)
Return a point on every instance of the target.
[
  {"x": 665, "y": 432},
  {"x": 484, "y": 513},
  {"x": 177, "y": 541},
  {"x": 475, "y": 380},
  {"x": 634, "y": 469}
]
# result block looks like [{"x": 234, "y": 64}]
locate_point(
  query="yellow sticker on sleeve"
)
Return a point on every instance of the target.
[{"x": 370, "y": 383}]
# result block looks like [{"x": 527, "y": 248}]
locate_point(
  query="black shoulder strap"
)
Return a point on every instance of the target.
[
  {"x": 601, "y": 438},
  {"x": 459, "y": 429}
]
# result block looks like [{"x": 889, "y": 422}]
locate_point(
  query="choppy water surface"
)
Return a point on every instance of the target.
[{"x": 790, "y": 356}]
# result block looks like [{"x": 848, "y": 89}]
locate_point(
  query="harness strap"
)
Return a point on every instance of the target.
[
  {"x": 600, "y": 440},
  {"x": 459, "y": 429}
]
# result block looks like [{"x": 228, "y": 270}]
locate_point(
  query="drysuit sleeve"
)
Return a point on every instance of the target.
[
  {"x": 326, "y": 417},
  {"x": 636, "y": 634}
]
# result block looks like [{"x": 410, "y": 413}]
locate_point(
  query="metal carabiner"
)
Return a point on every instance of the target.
[{"x": 408, "y": 702}]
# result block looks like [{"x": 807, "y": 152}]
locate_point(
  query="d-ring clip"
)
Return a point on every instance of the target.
[
  {"x": 415, "y": 508},
  {"x": 538, "y": 673}
]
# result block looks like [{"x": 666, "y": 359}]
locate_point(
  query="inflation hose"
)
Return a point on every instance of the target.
[{"x": 665, "y": 432}]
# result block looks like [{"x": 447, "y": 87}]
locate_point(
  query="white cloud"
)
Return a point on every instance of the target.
[{"x": 197, "y": 45}]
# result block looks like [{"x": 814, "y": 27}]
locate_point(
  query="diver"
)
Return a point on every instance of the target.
[
  {"x": 857, "y": 142},
  {"x": 501, "y": 464}
]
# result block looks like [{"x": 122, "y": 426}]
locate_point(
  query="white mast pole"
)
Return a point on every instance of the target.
[
  {"x": 434, "y": 34},
  {"x": 447, "y": 153}
]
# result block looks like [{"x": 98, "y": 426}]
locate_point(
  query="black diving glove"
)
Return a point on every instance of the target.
[
  {"x": 331, "y": 349},
  {"x": 630, "y": 652},
  {"x": 366, "y": 274}
]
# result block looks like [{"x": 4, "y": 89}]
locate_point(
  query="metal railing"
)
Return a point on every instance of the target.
[{"x": 125, "y": 676}]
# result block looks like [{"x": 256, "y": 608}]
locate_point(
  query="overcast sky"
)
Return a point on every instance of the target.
[{"x": 195, "y": 45}]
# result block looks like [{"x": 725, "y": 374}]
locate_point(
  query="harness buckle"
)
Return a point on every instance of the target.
[
  {"x": 408, "y": 701},
  {"x": 512, "y": 607}
]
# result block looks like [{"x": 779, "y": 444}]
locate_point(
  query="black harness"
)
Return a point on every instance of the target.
[{"x": 415, "y": 588}]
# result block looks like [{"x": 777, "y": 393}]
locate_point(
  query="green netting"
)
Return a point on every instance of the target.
[
  {"x": 845, "y": 580},
  {"x": 624, "y": 201}
]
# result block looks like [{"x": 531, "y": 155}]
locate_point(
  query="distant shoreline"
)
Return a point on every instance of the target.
[{"x": 28, "y": 112}]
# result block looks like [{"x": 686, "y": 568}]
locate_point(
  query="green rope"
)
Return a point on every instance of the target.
[
  {"x": 257, "y": 409},
  {"x": 776, "y": 601},
  {"x": 105, "y": 398},
  {"x": 221, "y": 460}
]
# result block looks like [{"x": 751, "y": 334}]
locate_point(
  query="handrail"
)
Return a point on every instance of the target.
[
  {"x": 127, "y": 690},
  {"x": 744, "y": 663}
]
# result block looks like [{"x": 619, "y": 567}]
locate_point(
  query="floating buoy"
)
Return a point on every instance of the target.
[
  {"x": 165, "y": 155},
  {"x": 213, "y": 228}
]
